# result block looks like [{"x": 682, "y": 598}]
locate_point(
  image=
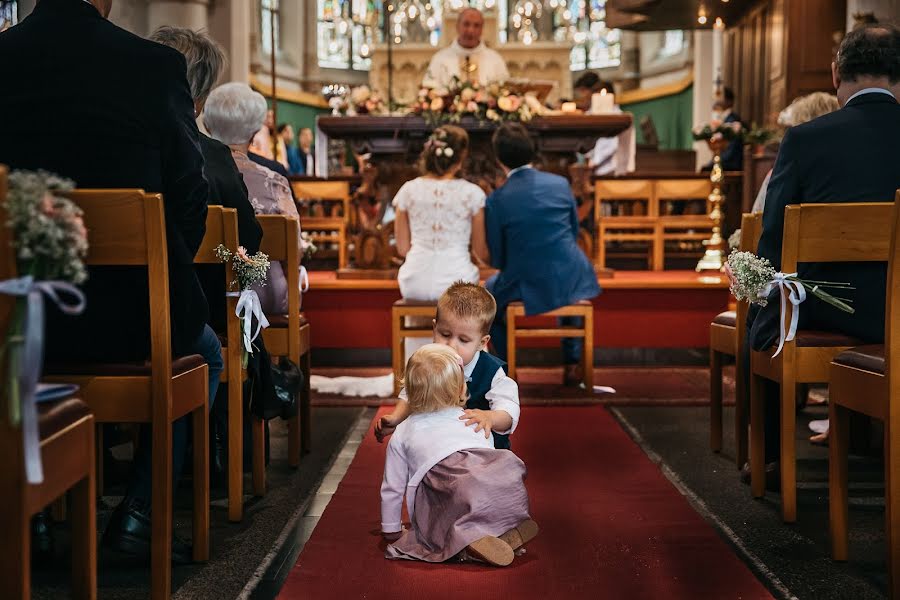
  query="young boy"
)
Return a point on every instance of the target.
[{"x": 465, "y": 313}]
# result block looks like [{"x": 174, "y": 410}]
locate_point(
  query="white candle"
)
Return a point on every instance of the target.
[
  {"x": 603, "y": 103},
  {"x": 568, "y": 107}
]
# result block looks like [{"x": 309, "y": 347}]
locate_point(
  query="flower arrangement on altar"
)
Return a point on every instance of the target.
[
  {"x": 248, "y": 271},
  {"x": 492, "y": 102},
  {"x": 357, "y": 101},
  {"x": 717, "y": 131},
  {"x": 50, "y": 244}
]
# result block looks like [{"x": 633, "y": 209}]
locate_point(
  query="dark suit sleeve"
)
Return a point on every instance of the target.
[
  {"x": 185, "y": 190},
  {"x": 494, "y": 229},
  {"x": 784, "y": 188}
]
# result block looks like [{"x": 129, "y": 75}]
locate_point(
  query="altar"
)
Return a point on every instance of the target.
[{"x": 391, "y": 146}]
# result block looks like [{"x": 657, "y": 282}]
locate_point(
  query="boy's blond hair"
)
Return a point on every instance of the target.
[
  {"x": 434, "y": 379},
  {"x": 469, "y": 301}
]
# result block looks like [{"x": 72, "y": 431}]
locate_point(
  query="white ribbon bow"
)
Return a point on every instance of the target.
[
  {"x": 33, "y": 355},
  {"x": 792, "y": 292},
  {"x": 248, "y": 306}
]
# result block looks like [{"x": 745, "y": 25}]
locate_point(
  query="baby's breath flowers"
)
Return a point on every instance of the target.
[{"x": 248, "y": 270}]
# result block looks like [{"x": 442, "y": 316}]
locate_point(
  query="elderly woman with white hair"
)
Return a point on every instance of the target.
[{"x": 233, "y": 114}]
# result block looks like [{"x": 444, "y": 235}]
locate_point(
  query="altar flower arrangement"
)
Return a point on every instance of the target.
[
  {"x": 492, "y": 102},
  {"x": 717, "y": 131},
  {"x": 248, "y": 271},
  {"x": 50, "y": 244},
  {"x": 754, "y": 278},
  {"x": 363, "y": 101}
]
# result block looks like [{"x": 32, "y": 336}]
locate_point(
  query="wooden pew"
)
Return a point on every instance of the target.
[
  {"x": 127, "y": 228},
  {"x": 289, "y": 335},
  {"x": 865, "y": 380},
  {"x": 66, "y": 429},
  {"x": 851, "y": 232}
]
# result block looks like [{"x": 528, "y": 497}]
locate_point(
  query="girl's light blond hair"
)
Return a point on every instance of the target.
[
  {"x": 434, "y": 379},
  {"x": 809, "y": 107}
]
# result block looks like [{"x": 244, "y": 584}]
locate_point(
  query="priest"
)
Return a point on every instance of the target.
[{"x": 467, "y": 58}]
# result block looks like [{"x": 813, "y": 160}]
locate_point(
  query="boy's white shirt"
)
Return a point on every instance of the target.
[
  {"x": 503, "y": 395},
  {"x": 419, "y": 443}
]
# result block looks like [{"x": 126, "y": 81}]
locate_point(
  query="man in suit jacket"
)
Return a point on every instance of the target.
[
  {"x": 123, "y": 118},
  {"x": 733, "y": 154},
  {"x": 850, "y": 155},
  {"x": 532, "y": 231}
]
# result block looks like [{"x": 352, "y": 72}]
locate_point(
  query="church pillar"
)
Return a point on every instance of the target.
[
  {"x": 703, "y": 88},
  {"x": 179, "y": 13},
  {"x": 230, "y": 25}
]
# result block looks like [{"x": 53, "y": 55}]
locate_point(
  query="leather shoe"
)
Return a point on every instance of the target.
[
  {"x": 129, "y": 532},
  {"x": 773, "y": 476},
  {"x": 574, "y": 376},
  {"x": 41, "y": 536}
]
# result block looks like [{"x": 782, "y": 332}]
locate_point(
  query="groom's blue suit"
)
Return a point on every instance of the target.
[{"x": 532, "y": 231}]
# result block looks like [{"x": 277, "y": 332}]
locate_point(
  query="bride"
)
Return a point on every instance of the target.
[{"x": 438, "y": 227}]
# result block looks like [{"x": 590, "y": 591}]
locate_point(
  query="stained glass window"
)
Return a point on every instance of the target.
[
  {"x": 8, "y": 14},
  {"x": 270, "y": 17},
  {"x": 673, "y": 43},
  {"x": 347, "y": 32}
]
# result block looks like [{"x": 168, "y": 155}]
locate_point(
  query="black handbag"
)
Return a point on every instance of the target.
[{"x": 272, "y": 390}]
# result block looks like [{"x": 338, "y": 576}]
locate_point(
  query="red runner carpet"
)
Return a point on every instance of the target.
[{"x": 611, "y": 526}]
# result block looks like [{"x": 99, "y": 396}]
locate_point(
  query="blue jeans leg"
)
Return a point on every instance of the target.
[
  {"x": 572, "y": 347},
  {"x": 206, "y": 345}
]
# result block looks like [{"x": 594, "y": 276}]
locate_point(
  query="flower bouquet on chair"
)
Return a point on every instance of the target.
[
  {"x": 248, "y": 271},
  {"x": 50, "y": 243},
  {"x": 753, "y": 278}
]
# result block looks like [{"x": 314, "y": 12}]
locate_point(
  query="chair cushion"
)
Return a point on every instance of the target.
[
  {"x": 180, "y": 365},
  {"x": 728, "y": 318},
  {"x": 818, "y": 339},
  {"x": 281, "y": 321},
  {"x": 867, "y": 358},
  {"x": 405, "y": 302},
  {"x": 56, "y": 416}
]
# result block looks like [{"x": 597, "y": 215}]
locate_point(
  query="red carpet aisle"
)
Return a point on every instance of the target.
[{"x": 611, "y": 527}]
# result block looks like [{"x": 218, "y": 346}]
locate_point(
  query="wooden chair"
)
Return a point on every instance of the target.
[
  {"x": 222, "y": 228},
  {"x": 756, "y": 167},
  {"x": 684, "y": 228},
  {"x": 633, "y": 216},
  {"x": 864, "y": 379},
  {"x": 416, "y": 309},
  {"x": 127, "y": 228},
  {"x": 332, "y": 226},
  {"x": 727, "y": 333},
  {"x": 289, "y": 335},
  {"x": 851, "y": 232},
  {"x": 66, "y": 431},
  {"x": 583, "y": 309}
]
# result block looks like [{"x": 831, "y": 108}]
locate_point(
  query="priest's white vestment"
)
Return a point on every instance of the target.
[{"x": 485, "y": 66}]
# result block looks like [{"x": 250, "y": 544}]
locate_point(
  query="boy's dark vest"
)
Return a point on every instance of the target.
[{"x": 480, "y": 384}]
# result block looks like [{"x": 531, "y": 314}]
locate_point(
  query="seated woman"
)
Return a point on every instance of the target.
[
  {"x": 438, "y": 218},
  {"x": 234, "y": 113}
]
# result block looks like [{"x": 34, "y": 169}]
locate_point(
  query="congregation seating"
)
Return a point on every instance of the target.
[
  {"x": 516, "y": 330},
  {"x": 66, "y": 430},
  {"x": 222, "y": 228},
  {"x": 853, "y": 232},
  {"x": 727, "y": 334},
  {"x": 325, "y": 213},
  {"x": 127, "y": 229},
  {"x": 861, "y": 380},
  {"x": 419, "y": 325},
  {"x": 649, "y": 214},
  {"x": 288, "y": 335}
]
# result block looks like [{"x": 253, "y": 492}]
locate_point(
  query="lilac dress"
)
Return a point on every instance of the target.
[{"x": 270, "y": 194}]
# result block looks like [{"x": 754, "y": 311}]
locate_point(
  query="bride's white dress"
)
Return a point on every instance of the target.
[{"x": 440, "y": 220}]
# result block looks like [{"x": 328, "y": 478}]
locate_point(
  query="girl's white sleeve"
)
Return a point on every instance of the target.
[{"x": 393, "y": 487}]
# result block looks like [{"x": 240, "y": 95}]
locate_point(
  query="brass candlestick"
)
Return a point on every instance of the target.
[{"x": 714, "y": 257}]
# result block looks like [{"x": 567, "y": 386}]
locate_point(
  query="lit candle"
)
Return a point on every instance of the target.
[
  {"x": 568, "y": 107},
  {"x": 603, "y": 103}
]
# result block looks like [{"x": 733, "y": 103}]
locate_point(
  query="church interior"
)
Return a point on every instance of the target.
[{"x": 449, "y": 298}]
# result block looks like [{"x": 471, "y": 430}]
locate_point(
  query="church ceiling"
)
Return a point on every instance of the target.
[{"x": 657, "y": 15}]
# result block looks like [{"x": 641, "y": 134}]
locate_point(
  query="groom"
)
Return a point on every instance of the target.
[{"x": 532, "y": 231}]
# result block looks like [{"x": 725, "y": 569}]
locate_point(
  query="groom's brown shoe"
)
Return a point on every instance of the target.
[
  {"x": 519, "y": 536},
  {"x": 491, "y": 550}
]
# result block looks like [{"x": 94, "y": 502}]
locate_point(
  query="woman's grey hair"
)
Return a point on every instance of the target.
[
  {"x": 234, "y": 113},
  {"x": 205, "y": 57}
]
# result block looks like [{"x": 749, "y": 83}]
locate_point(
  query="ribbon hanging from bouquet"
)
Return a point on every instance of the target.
[
  {"x": 248, "y": 306},
  {"x": 793, "y": 293},
  {"x": 33, "y": 354}
]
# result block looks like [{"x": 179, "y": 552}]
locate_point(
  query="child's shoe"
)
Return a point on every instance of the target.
[
  {"x": 521, "y": 535},
  {"x": 491, "y": 550}
]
